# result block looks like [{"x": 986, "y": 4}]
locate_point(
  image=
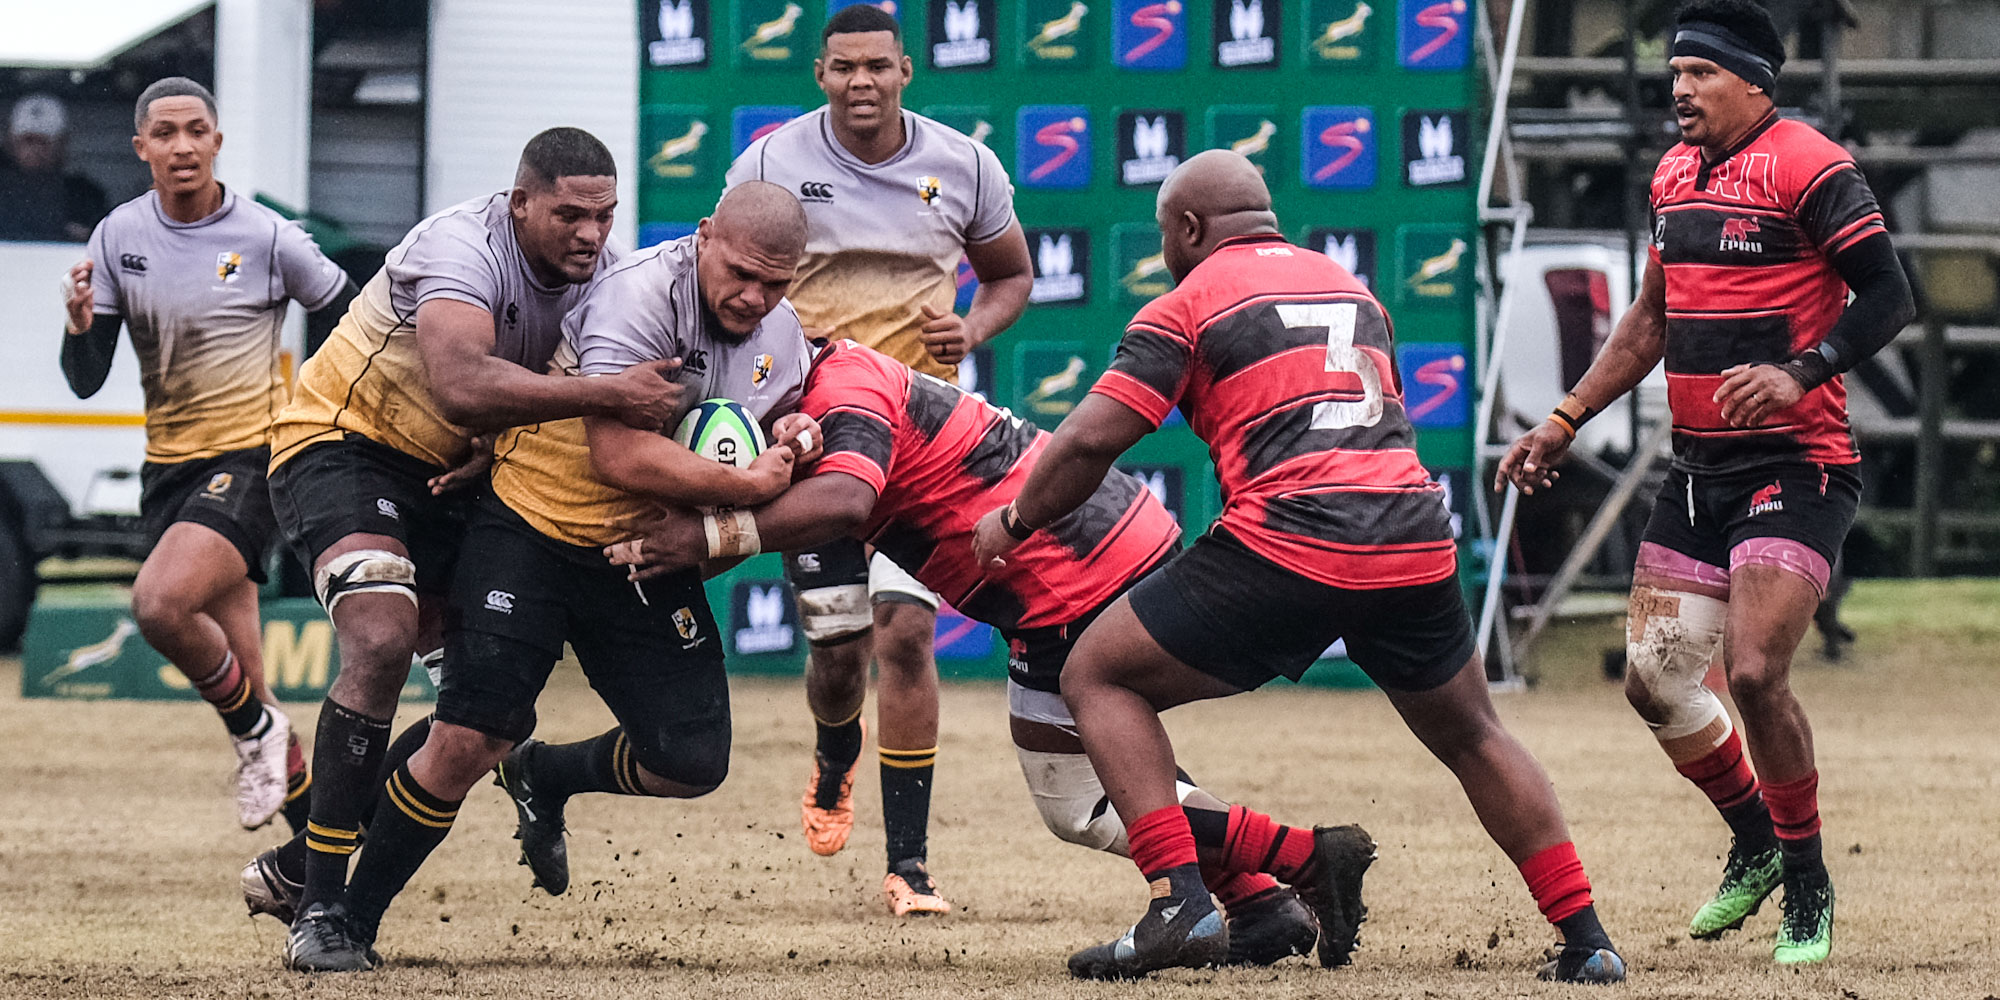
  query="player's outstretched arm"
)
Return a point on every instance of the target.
[
  {"x": 89, "y": 341},
  {"x": 1069, "y": 470},
  {"x": 810, "y": 514},
  {"x": 477, "y": 390},
  {"x": 648, "y": 463},
  {"x": 1636, "y": 345}
]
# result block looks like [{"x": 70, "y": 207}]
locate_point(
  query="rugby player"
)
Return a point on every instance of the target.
[
  {"x": 910, "y": 461},
  {"x": 1761, "y": 228},
  {"x": 202, "y": 277},
  {"x": 1330, "y": 529},
  {"x": 559, "y": 489},
  {"x": 450, "y": 338},
  {"x": 895, "y": 200}
]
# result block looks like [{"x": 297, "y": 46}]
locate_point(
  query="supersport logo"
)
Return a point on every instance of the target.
[
  {"x": 1345, "y": 136},
  {"x": 1060, "y": 136},
  {"x": 1159, "y": 17},
  {"x": 1442, "y": 375},
  {"x": 1442, "y": 18}
]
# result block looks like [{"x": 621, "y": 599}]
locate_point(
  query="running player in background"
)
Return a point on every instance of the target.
[
  {"x": 1761, "y": 228},
  {"x": 449, "y": 339},
  {"x": 559, "y": 489},
  {"x": 910, "y": 463},
  {"x": 202, "y": 276},
  {"x": 1330, "y": 529},
  {"x": 894, "y": 200}
]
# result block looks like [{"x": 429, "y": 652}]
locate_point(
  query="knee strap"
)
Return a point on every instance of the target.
[
  {"x": 365, "y": 571},
  {"x": 830, "y": 614},
  {"x": 1671, "y": 639}
]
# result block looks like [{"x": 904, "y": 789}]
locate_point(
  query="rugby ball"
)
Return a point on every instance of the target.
[{"x": 721, "y": 429}]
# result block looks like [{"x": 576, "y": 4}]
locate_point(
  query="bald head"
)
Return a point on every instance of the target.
[
  {"x": 1215, "y": 195},
  {"x": 762, "y": 216}
]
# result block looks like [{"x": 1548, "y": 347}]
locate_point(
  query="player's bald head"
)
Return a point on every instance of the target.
[
  {"x": 764, "y": 216},
  {"x": 1215, "y": 195}
]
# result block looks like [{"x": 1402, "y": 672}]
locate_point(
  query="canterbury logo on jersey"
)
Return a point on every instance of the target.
[
  {"x": 815, "y": 191},
  {"x": 136, "y": 263},
  {"x": 1736, "y": 235}
]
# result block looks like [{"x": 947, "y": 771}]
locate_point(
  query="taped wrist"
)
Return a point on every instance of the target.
[
  {"x": 1810, "y": 369},
  {"x": 1571, "y": 414},
  {"x": 1010, "y": 522},
  {"x": 731, "y": 533}
]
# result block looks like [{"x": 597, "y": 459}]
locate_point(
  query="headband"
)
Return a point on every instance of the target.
[{"x": 1726, "y": 49}]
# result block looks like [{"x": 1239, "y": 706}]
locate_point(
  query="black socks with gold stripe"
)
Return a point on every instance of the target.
[
  {"x": 347, "y": 772},
  {"x": 409, "y": 823},
  {"x": 906, "y": 801},
  {"x": 603, "y": 764}
]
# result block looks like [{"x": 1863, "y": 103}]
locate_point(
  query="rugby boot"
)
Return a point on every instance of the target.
[
  {"x": 1584, "y": 964},
  {"x": 1805, "y": 935},
  {"x": 267, "y": 890},
  {"x": 910, "y": 891},
  {"x": 320, "y": 942},
  {"x": 827, "y": 810},
  {"x": 539, "y": 821},
  {"x": 260, "y": 770},
  {"x": 1270, "y": 926},
  {"x": 1747, "y": 879},
  {"x": 1331, "y": 885},
  {"x": 1176, "y": 932}
]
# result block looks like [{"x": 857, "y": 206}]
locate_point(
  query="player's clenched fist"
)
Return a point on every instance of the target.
[
  {"x": 944, "y": 336},
  {"x": 801, "y": 434},
  {"x": 77, "y": 296},
  {"x": 990, "y": 540},
  {"x": 1530, "y": 463}
]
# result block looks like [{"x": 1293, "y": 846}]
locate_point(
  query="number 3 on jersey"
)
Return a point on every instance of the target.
[{"x": 1341, "y": 356}]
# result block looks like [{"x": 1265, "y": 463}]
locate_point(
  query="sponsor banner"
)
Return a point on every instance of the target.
[
  {"x": 1050, "y": 378},
  {"x": 1137, "y": 261},
  {"x": 1338, "y": 147},
  {"x": 975, "y": 373},
  {"x": 1151, "y": 143},
  {"x": 1436, "y": 385},
  {"x": 1433, "y": 266},
  {"x": 1434, "y": 145},
  {"x": 752, "y": 122},
  {"x": 1250, "y": 130},
  {"x": 89, "y": 648},
  {"x": 1458, "y": 487},
  {"x": 675, "y": 148},
  {"x": 1434, "y": 34},
  {"x": 1061, "y": 257},
  {"x": 1149, "y": 35},
  {"x": 1353, "y": 249},
  {"x": 1053, "y": 150},
  {"x": 1247, "y": 33},
  {"x": 975, "y": 120},
  {"x": 967, "y": 287},
  {"x": 961, "y": 34},
  {"x": 1343, "y": 34},
  {"x": 961, "y": 638},
  {"x": 651, "y": 233},
  {"x": 763, "y": 618},
  {"x": 774, "y": 35},
  {"x": 1168, "y": 484},
  {"x": 674, "y": 34},
  {"x": 1056, "y": 34}
]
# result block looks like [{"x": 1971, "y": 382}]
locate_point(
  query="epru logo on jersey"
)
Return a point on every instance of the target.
[
  {"x": 1150, "y": 36},
  {"x": 1150, "y": 146},
  {"x": 1737, "y": 233},
  {"x": 1246, "y": 33},
  {"x": 677, "y": 34},
  {"x": 961, "y": 34}
]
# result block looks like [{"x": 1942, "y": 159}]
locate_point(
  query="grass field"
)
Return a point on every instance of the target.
[{"x": 120, "y": 854}]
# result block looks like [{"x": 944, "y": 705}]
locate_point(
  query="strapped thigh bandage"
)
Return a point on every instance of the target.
[
  {"x": 365, "y": 571},
  {"x": 1672, "y": 634},
  {"x": 830, "y": 614},
  {"x": 1069, "y": 796}
]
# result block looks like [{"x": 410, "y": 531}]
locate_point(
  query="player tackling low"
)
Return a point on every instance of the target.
[
  {"x": 1330, "y": 529},
  {"x": 1761, "y": 227}
]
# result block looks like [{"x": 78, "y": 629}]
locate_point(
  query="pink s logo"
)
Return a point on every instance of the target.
[
  {"x": 1158, "y": 17},
  {"x": 1061, "y": 136},
  {"x": 1344, "y": 136},
  {"x": 1444, "y": 18}
]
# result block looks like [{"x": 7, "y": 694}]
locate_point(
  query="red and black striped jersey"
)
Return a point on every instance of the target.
[
  {"x": 1747, "y": 245},
  {"x": 1285, "y": 365},
  {"x": 939, "y": 458}
]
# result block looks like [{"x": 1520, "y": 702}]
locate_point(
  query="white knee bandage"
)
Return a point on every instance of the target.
[
  {"x": 1671, "y": 638},
  {"x": 1072, "y": 801},
  {"x": 365, "y": 571},
  {"x": 830, "y": 613}
]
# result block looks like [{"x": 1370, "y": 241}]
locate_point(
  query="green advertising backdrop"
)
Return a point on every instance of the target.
[{"x": 1360, "y": 113}]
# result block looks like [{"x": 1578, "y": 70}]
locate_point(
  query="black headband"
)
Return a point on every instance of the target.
[{"x": 1707, "y": 40}]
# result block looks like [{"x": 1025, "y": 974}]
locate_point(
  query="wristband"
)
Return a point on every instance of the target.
[
  {"x": 1571, "y": 414},
  {"x": 1010, "y": 522},
  {"x": 1810, "y": 369},
  {"x": 731, "y": 533}
]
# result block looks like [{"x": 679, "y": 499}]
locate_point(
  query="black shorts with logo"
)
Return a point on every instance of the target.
[
  {"x": 842, "y": 562},
  {"x": 655, "y": 660},
  {"x": 1244, "y": 620},
  {"x": 1036, "y": 656},
  {"x": 333, "y": 489},
  {"x": 227, "y": 493},
  {"x": 1705, "y": 516}
]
